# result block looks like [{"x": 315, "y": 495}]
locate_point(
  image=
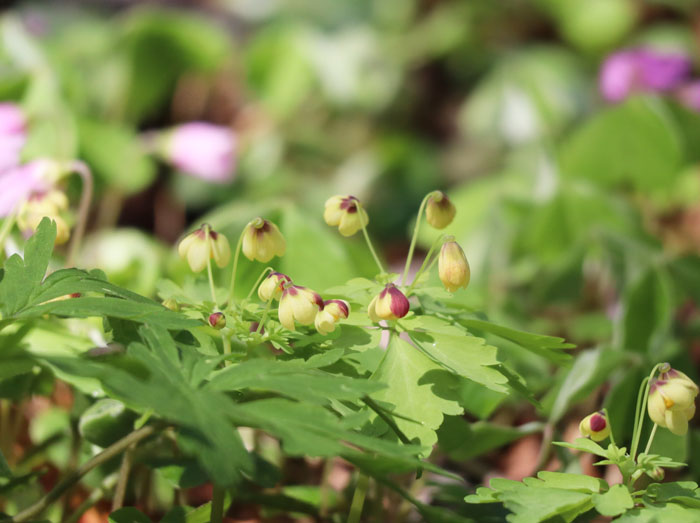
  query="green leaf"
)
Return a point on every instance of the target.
[
  {"x": 636, "y": 143},
  {"x": 465, "y": 356},
  {"x": 613, "y": 502},
  {"x": 200, "y": 514},
  {"x": 584, "y": 445},
  {"x": 416, "y": 388},
  {"x": 668, "y": 512},
  {"x": 683, "y": 492},
  {"x": 590, "y": 369},
  {"x": 533, "y": 503},
  {"x": 23, "y": 276},
  {"x": 128, "y": 515},
  {"x": 548, "y": 347},
  {"x": 647, "y": 312},
  {"x": 292, "y": 380},
  {"x": 86, "y": 307}
]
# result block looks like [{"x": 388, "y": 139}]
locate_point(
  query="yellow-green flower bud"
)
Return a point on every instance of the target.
[
  {"x": 453, "y": 267},
  {"x": 595, "y": 426},
  {"x": 217, "y": 320},
  {"x": 333, "y": 311},
  {"x": 298, "y": 304},
  {"x": 672, "y": 401},
  {"x": 171, "y": 304},
  {"x": 390, "y": 304},
  {"x": 50, "y": 204},
  {"x": 262, "y": 241},
  {"x": 440, "y": 211},
  {"x": 203, "y": 244},
  {"x": 272, "y": 286},
  {"x": 345, "y": 213}
]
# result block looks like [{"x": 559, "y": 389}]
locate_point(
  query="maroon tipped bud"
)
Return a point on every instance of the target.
[{"x": 217, "y": 320}]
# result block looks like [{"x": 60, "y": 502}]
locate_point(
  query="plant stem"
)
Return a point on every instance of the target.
[
  {"x": 425, "y": 266},
  {"x": 369, "y": 242},
  {"x": 607, "y": 420},
  {"x": 83, "y": 209},
  {"x": 257, "y": 282},
  {"x": 75, "y": 476},
  {"x": 210, "y": 276},
  {"x": 226, "y": 342},
  {"x": 93, "y": 498},
  {"x": 217, "y": 506},
  {"x": 264, "y": 316},
  {"x": 358, "y": 498},
  {"x": 124, "y": 470},
  {"x": 412, "y": 247},
  {"x": 325, "y": 487},
  {"x": 237, "y": 254},
  {"x": 651, "y": 438},
  {"x": 642, "y": 398}
]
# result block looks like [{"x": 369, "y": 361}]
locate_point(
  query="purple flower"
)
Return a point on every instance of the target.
[
  {"x": 203, "y": 150},
  {"x": 18, "y": 183},
  {"x": 12, "y": 135},
  {"x": 641, "y": 70}
]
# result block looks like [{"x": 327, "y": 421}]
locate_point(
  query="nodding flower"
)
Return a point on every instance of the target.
[
  {"x": 672, "y": 401},
  {"x": 389, "y": 304},
  {"x": 262, "y": 241},
  {"x": 272, "y": 286},
  {"x": 298, "y": 304},
  {"x": 453, "y": 267},
  {"x": 204, "y": 244},
  {"x": 595, "y": 426},
  {"x": 440, "y": 211},
  {"x": 346, "y": 213},
  {"x": 333, "y": 311}
]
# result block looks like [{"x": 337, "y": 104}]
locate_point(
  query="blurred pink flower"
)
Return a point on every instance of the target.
[
  {"x": 641, "y": 70},
  {"x": 12, "y": 135},
  {"x": 203, "y": 150},
  {"x": 689, "y": 95},
  {"x": 18, "y": 183}
]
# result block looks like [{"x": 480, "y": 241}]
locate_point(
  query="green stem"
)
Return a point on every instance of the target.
[
  {"x": 124, "y": 470},
  {"x": 6, "y": 228},
  {"x": 231, "y": 299},
  {"x": 369, "y": 242},
  {"x": 358, "y": 498},
  {"x": 607, "y": 420},
  {"x": 257, "y": 282},
  {"x": 210, "y": 276},
  {"x": 217, "y": 505},
  {"x": 642, "y": 398},
  {"x": 325, "y": 488},
  {"x": 425, "y": 266},
  {"x": 651, "y": 439},
  {"x": 75, "y": 476},
  {"x": 83, "y": 209},
  {"x": 264, "y": 316},
  {"x": 412, "y": 247},
  {"x": 226, "y": 342}
]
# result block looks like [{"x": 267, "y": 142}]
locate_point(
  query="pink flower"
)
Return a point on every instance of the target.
[
  {"x": 689, "y": 95},
  {"x": 12, "y": 135},
  {"x": 641, "y": 70},
  {"x": 203, "y": 150},
  {"x": 18, "y": 183}
]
